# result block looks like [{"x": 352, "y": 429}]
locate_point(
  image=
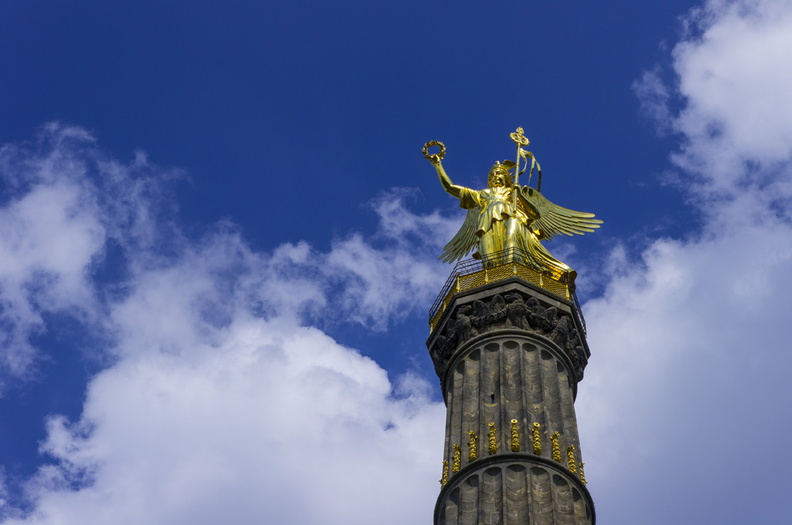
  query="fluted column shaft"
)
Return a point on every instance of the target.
[{"x": 509, "y": 357}]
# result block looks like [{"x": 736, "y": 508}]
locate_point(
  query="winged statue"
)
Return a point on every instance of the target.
[{"x": 508, "y": 216}]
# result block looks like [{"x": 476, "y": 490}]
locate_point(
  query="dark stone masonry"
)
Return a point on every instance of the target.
[{"x": 509, "y": 356}]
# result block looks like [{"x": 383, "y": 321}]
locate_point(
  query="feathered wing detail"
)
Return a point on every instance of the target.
[
  {"x": 550, "y": 219},
  {"x": 464, "y": 240}
]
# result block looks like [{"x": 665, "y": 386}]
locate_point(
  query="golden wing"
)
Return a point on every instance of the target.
[
  {"x": 464, "y": 240},
  {"x": 550, "y": 219}
]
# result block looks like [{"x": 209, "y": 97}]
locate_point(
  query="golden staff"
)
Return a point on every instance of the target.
[{"x": 520, "y": 140}]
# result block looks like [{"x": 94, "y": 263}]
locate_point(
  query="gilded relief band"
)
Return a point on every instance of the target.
[
  {"x": 473, "y": 446},
  {"x": 555, "y": 449},
  {"x": 493, "y": 439},
  {"x": 537, "y": 443},
  {"x": 571, "y": 462},
  {"x": 515, "y": 436}
]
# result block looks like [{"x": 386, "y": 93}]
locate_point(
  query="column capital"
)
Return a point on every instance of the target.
[{"x": 509, "y": 305}]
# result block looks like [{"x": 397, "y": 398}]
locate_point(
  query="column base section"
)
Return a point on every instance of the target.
[{"x": 514, "y": 489}]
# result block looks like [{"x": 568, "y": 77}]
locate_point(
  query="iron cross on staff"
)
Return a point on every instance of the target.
[{"x": 521, "y": 140}]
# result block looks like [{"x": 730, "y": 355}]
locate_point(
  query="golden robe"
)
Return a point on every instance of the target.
[{"x": 496, "y": 224}]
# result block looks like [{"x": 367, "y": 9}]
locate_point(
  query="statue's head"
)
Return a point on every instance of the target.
[{"x": 499, "y": 175}]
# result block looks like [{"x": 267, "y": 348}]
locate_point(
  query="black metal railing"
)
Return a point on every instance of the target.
[{"x": 471, "y": 273}]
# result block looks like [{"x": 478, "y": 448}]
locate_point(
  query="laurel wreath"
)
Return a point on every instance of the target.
[{"x": 438, "y": 155}]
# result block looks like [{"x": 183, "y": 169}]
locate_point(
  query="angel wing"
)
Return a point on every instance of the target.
[
  {"x": 551, "y": 219},
  {"x": 464, "y": 240}
]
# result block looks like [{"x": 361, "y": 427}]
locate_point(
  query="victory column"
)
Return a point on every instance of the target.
[{"x": 508, "y": 343}]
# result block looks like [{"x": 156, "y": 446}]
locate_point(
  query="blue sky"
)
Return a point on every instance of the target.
[{"x": 219, "y": 244}]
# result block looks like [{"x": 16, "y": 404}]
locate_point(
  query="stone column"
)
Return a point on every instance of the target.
[{"x": 509, "y": 356}]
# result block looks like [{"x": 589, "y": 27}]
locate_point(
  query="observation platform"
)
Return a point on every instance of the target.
[{"x": 472, "y": 273}]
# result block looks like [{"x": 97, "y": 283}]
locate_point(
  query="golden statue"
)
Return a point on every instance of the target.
[{"x": 507, "y": 217}]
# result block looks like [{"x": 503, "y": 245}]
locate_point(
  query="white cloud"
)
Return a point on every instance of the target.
[
  {"x": 275, "y": 423},
  {"x": 683, "y": 407},
  {"x": 653, "y": 95},
  {"x": 734, "y": 74},
  {"x": 50, "y": 235},
  {"x": 220, "y": 404},
  {"x": 688, "y": 380}
]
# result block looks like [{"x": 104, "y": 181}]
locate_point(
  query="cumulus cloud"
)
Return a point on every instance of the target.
[
  {"x": 684, "y": 397},
  {"x": 272, "y": 423},
  {"x": 221, "y": 404},
  {"x": 733, "y": 78},
  {"x": 688, "y": 378}
]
